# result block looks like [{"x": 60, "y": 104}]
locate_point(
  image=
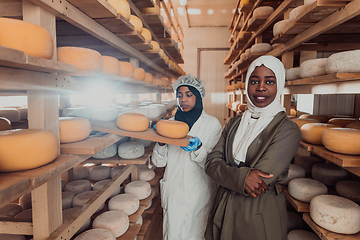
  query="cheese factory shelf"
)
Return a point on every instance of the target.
[
  {"x": 298, "y": 205},
  {"x": 330, "y": 78},
  {"x": 325, "y": 234}
]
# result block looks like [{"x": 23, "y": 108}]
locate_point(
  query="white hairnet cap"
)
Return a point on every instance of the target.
[{"x": 190, "y": 80}]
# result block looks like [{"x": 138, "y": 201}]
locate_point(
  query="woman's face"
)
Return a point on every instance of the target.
[
  {"x": 186, "y": 99},
  {"x": 262, "y": 86}
]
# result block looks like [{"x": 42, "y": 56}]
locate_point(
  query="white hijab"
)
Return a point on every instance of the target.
[{"x": 245, "y": 135}]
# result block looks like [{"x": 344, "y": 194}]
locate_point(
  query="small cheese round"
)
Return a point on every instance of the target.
[
  {"x": 131, "y": 150},
  {"x": 10, "y": 210},
  {"x": 98, "y": 173},
  {"x": 321, "y": 118},
  {"x": 263, "y": 11},
  {"x": 294, "y": 221},
  {"x": 80, "y": 199},
  {"x": 248, "y": 52},
  {"x": 305, "y": 189},
  {"x": 343, "y": 62},
  {"x": 306, "y": 162},
  {"x": 139, "y": 188},
  {"x": 67, "y": 198},
  {"x": 261, "y": 47},
  {"x": 139, "y": 73},
  {"x": 26, "y": 215},
  {"x": 336, "y": 214},
  {"x": 155, "y": 46},
  {"x": 5, "y": 124},
  {"x": 329, "y": 174},
  {"x": 280, "y": 26},
  {"x": 12, "y": 114},
  {"x": 100, "y": 184},
  {"x": 73, "y": 129},
  {"x": 149, "y": 77},
  {"x": 296, "y": 12},
  {"x": 146, "y": 34},
  {"x": 299, "y": 234},
  {"x": 126, "y": 69},
  {"x": 134, "y": 20},
  {"x": 312, "y": 132},
  {"x": 80, "y": 172},
  {"x": 293, "y": 73},
  {"x": 96, "y": 234},
  {"x": 111, "y": 65},
  {"x": 300, "y": 121},
  {"x": 146, "y": 174},
  {"x": 342, "y": 122},
  {"x": 25, "y": 201},
  {"x": 78, "y": 186},
  {"x": 134, "y": 122},
  {"x": 349, "y": 189},
  {"x": 116, "y": 222},
  {"x": 122, "y": 7},
  {"x": 67, "y": 213},
  {"x": 313, "y": 68},
  {"x": 83, "y": 58},
  {"x": 107, "y": 152},
  {"x": 342, "y": 140},
  {"x": 126, "y": 202},
  {"x": 172, "y": 128},
  {"x": 295, "y": 171}
]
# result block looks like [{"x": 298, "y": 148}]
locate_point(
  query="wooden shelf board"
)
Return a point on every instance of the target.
[
  {"x": 145, "y": 202},
  {"x": 143, "y": 3},
  {"x": 131, "y": 233},
  {"x": 149, "y": 134},
  {"x": 95, "y": 8},
  {"x": 132, "y": 37},
  {"x": 116, "y": 25},
  {"x": 325, "y": 234},
  {"x": 174, "y": 52},
  {"x": 152, "y": 19},
  {"x": 134, "y": 217},
  {"x": 256, "y": 24},
  {"x": 330, "y": 78},
  {"x": 144, "y": 228},
  {"x": 12, "y": 187},
  {"x": 142, "y": 46},
  {"x": 319, "y": 10},
  {"x": 298, "y": 205},
  {"x": 154, "y": 205}
]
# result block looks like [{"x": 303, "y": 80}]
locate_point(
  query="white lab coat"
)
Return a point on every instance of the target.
[{"x": 186, "y": 191}]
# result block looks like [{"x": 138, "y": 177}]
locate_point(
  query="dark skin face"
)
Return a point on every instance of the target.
[{"x": 186, "y": 99}]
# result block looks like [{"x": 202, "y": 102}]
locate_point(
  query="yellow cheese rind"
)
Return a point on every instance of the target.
[
  {"x": 155, "y": 46},
  {"x": 312, "y": 132},
  {"x": 321, "y": 118},
  {"x": 172, "y": 128},
  {"x": 126, "y": 69},
  {"x": 111, "y": 65},
  {"x": 73, "y": 129},
  {"x": 342, "y": 122},
  {"x": 134, "y": 122},
  {"x": 149, "y": 77},
  {"x": 300, "y": 122},
  {"x": 139, "y": 74},
  {"x": 134, "y": 20},
  {"x": 84, "y": 59},
  {"x": 122, "y": 7},
  {"x": 151, "y": 10},
  {"x": 342, "y": 140},
  {"x": 146, "y": 34}
]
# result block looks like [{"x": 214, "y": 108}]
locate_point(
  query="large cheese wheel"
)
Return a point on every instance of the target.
[
  {"x": 355, "y": 125},
  {"x": 155, "y": 46},
  {"x": 172, "y": 128},
  {"x": 104, "y": 114},
  {"x": 73, "y": 129},
  {"x": 349, "y": 189},
  {"x": 146, "y": 34},
  {"x": 329, "y": 174},
  {"x": 312, "y": 132},
  {"x": 151, "y": 10},
  {"x": 263, "y": 11},
  {"x": 98, "y": 173},
  {"x": 139, "y": 188},
  {"x": 80, "y": 199},
  {"x": 139, "y": 73},
  {"x": 146, "y": 174},
  {"x": 260, "y": 48},
  {"x": 134, "y": 122},
  {"x": 296, "y": 12},
  {"x": 300, "y": 121},
  {"x": 294, "y": 221},
  {"x": 134, "y": 20},
  {"x": 80, "y": 172},
  {"x": 84, "y": 59},
  {"x": 67, "y": 198},
  {"x": 96, "y": 234},
  {"x": 98, "y": 185},
  {"x": 305, "y": 189},
  {"x": 25, "y": 201},
  {"x": 336, "y": 214},
  {"x": 68, "y": 213},
  {"x": 306, "y": 162},
  {"x": 131, "y": 150},
  {"x": 126, "y": 69},
  {"x": 161, "y": 53},
  {"x": 107, "y": 152},
  {"x": 5, "y": 124},
  {"x": 313, "y": 68},
  {"x": 343, "y": 62},
  {"x": 10, "y": 210},
  {"x": 321, "y": 118},
  {"x": 293, "y": 73},
  {"x": 295, "y": 171},
  {"x": 280, "y": 26},
  {"x": 26, "y": 215},
  {"x": 4, "y": 236},
  {"x": 78, "y": 186},
  {"x": 12, "y": 114},
  {"x": 299, "y": 234},
  {"x": 30, "y": 38},
  {"x": 115, "y": 170},
  {"x": 122, "y": 7},
  {"x": 126, "y": 202},
  {"x": 116, "y": 222},
  {"x": 149, "y": 77},
  {"x": 342, "y": 122},
  {"x": 23, "y": 149},
  {"x": 110, "y": 65},
  {"x": 342, "y": 140}
]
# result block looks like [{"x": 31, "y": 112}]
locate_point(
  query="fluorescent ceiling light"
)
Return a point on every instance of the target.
[
  {"x": 210, "y": 11},
  {"x": 183, "y": 2},
  {"x": 180, "y": 11},
  {"x": 194, "y": 11}
]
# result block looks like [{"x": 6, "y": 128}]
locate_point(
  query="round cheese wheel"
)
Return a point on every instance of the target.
[
  {"x": 97, "y": 173},
  {"x": 280, "y": 26},
  {"x": 111, "y": 65},
  {"x": 342, "y": 140},
  {"x": 140, "y": 220},
  {"x": 243, "y": 57},
  {"x": 122, "y": 7},
  {"x": 155, "y": 46},
  {"x": 161, "y": 53},
  {"x": 12, "y": 114},
  {"x": 305, "y": 189},
  {"x": 25, "y": 201},
  {"x": 80, "y": 199},
  {"x": 68, "y": 213},
  {"x": 116, "y": 170},
  {"x": 260, "y": 48},
  {"x": 84, "y": 59},
  {"x": 329, "y": 174},
  {"x": 342, "y": 122},
  {"x": 172, "y": 128},
  {"x": 251, "y": 21},
  {"x": 126, "y": 69},
  {"x": 336, "y": 214},
  {"x": 263, "y": 11},
  {"x": 294, "y": 221},
  {"x": 131, "y": 150},
  {"x": 116, "y": 222},
  {"x": 293, "y": 73},
  {"x": 5, "y": 124},
  {"x": 151, "y": 10},
  {"x": 139, "y": 188},
  {"x": 139, "y": 73},
  {"x": 242, "y": 2},
  {"x": 67, "y": 198},
  {"x": 132, "y": 122},
  {"x": 107, "y": 152},
  {"x": 78, "y": 186},
  {"x": 349, "y": 189},
  {"x": 299, "y": 234},
  {"x": 98, "y": 185},
  {"x": 146, "y": 143},
  {"x": 30, "y": 38},
  {"x": 312, "y": 132},
  {"x": 355, "y": 125},
  {"x": 73, "y": 129},
  {"x": 295, "y": 171},
  {"x": 248, "y": 52},
  {"x": 321, "y": 118},
  {"x": 26, "y": 215},
  {"x": 126, "y": 202},
  {"x": 146, "y": 34},
  {"x": 80, "y": 172},
  {"x": 306, "y": 162},
  {"x": 296, "y": 12},
  {"x": 148, "y": 77},
  {"x": 10, "y": 210},
  {"x": 146, "y": 174},
  {"x": 343, "y": 62},
  {"x": 157, "y": 81},
  {"x": 96, "y": 234},
  {"x": 313, "y": 68},
  {"x": 4, "y": 236},
  {"x": 300, "y": 121},
  {"x": 23, "y": 149},
  {"x": 134, "y": 20}
]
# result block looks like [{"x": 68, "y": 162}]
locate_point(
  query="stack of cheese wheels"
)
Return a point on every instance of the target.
[
  {"x": 306, "y": 162},
  {"x": 280, "y": 26},
  {"x": 5, "y": 124},
  {"x": 85, "y": 59},
  {"x": 80, "y": 199},
  {"x": 131, "y": 150},
  {"x": 98, "y": 185},
  {"x": 139, "y": 188},
  {"x": 148, "y": 77},
  {"x": 78, "y": 186},
  {"x": 67, "y": 213},
  {"x": 146, "y": 34},
  {"x": 349, "y": 189},
  {"x": 329, "y": 174},
  {"x": 4, "y": 236},
  {"x": 342, "y": 140},
  {"x": 295, "y": 171},
  {"x": 343, "y": 122},
  {"x": 299, "y": 234},
  {"x": 96, "y": 234},
  {"x": 336, "y": 214},
  {"x": 146, "y": 174},
  {"x": 26, "y": 215},
  {"x": 343, "y": 62},
  {"x": 321, "y": 118},
  {"x": 25, "y": 201},
  {"x": 10, "y": 210},
  {"x": 293, "y": 73},
  {"x": 134, "y": 122},
  {"x": 312, "y": 132},
  {"x": 139, "y": 74},
  {"x": 80, "y": 172},
  {"x": 261, "y": 48},
  {"x": 305, "y": 189},
  {"x": 296, "y": 12},
  {"x": 355, "y": 125},
  {"x": 122, "y": 7},
  {"x": 104, "y": 114},
  {"x": 300, "y": 122},
  {"x": 12, "y": 114},
  {"x": 294, "y": 221},
  {"x": 30, "y": 38},
  {"x": 126, "y": 202},
  {"x": 67, "y": 199},
  {"x": 155, "y": 46},
  {"x": 73, "y": 129},
  {"x": 97, "y": 173},
  {"x": 107, "y": 152},
  {"x": 172, "y": 128},
  {"x": 116, "y": 222},
  {"x": 23, "y": 149},
  {"x": 313, "y": 68},
  {"x": 126, "y": 69},
  {"x": 110, "y": 66},
  {"x": 134, "y": 20}
]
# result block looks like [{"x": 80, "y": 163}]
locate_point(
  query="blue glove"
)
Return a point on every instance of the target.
[
  {"x": 195, "y": 142},
  {"x": 154, "y": 127}
]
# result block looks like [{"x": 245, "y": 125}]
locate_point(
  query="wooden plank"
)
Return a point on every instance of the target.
[
  {"x": 14, "y": 227},
  {"x": 134, "y": 217},
  {"x": 341, "y": 160},
  {"x": 144, "y": 228},
  {"x": 330, "y": 78},
  {"x": 319, "y": 10},
  {"x": 131, "y": 233},
  {"x": 149, "y": 134},
  {"x": 142, "y": 46},
  {"x": 116, "y": 25},
  {"x": 298, "y": 205},
  {"x": 143, "y": 3},
  {"x": 12, "y": 187},
  {"x": 256, "y": 23},
  {"x": 145, "y": 202},
  {"x": 153, "y": 207},
  {"x": 11, "y": 9},
  {"x": 95, "y": 8},
  {"x": 132, "y": 37}
]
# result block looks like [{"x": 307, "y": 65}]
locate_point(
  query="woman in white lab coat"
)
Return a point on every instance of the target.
[{"x": 186, "y": 191}]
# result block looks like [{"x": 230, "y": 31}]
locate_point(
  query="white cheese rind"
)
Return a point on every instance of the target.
[
  {"x": 80, "y": 172},
  {"x": 131, "y": 150},
  {"x": 100, "y": 184},
  {"x": 116, "y": 222},
  {"x": 313, "y": 68},
  {"x": 107, "y": 152},
  {"x": 80, "y": 199},
  {"x": 139, "y": 188},
  {"x": 78, "y": 186},
  {"x": 344, "y": 62},
  {"x": 127, "y": 202},
  {"x": 98, "y": 173},
  {"x": 305, "y": 189},
  {"x": 294, "y": 172},
  {"x": 299, "y": 234},
  {"x": 293, "y": 73},
  {"x": 96, "y": 234}
]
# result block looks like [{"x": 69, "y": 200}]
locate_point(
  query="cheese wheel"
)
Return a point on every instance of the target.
[
  {"x": 280, "y": 26},
  {"x": 296, "y": 12},
  {"x": 294, "y": 221},
  {"x": 4, "y": 236},
  {"x": 349, "y": 189},
  {"x": 122, "y": 7},
  {"x": 313, "y": 68},
  {"x": 26, "y": 215},
  {"x": 134, "y": 20},
  {"x": 104, "y": 114},
  {"x": 12, "y": 114},
  {"x": 107, "y": 152},
  {"x": 30, "y": 38},
  {"x": 80, "y": 199},
  {"x": 126, "y": 69},
  {"x": 146, "y": 143},
  {"x": 139, "y": 73},
  {"x": 299, "y": 234},
  {"x": 148, "y": 77},
  {"x": 321, "y": 118},
  {"x": 139, "y": 188},
  {"x": 260, "y": 48},
  {"x": 146, "y": 34},
  {"x": 115, "y": 170},
  {"x": 242, "y": 2},
  {"x": 329, "y": 174},
  {"x": 355, "y": 125},
  {"x": 293, "y": 73},
  {"x": 98, "y": 185},
  {"x": 126, "y": 202},
  {"x": 161, "y": 53},
  {"x": 263, "y": 11},
  {"x": 151, "y": 10},
  {"x": 73, "y": 129},
  {"x": 312, "y": 132},
  {"x": 248, "y": 52},
  {"x": 96, "y": 234},
  {"x": 25, "y": 201},
  {"x": 23, "y": 149},
  {"x": 342, "y": 140},
  {"x": 98, "y": 173},
  {"x": 155, "y": 46},
  {"x": 157, "y": 81},
  {"x": 131, "y": 150},
  {"x": 5, "y": 124},
  {"x": 336, "y": 214},
  {"x": 10, "y": 210},
  {"x": 295, "y": 171},
  {"x": 67, "y": 198},
  {"x": 343, "y": 62},
  {"x": 305, "y": 189},
  {"x": 110, "y": 66},
  {"x": 306, "y": 162},
  {"x": 300, "y": 122},
  {"x": 68, "y": 213},
  {"x": 84, "y": 59},
  {"x": 342, "y": 122},
  {"x": 172, "y": 128},
  {"x": 146, "y": 174},
  {"x": 78, "y": 186},
  {"x": 134, "y": 122},
  {"x": 80, "y": 172},
  {"x": 116, "y": 222},
  {"x": 243, "y": 57},
  {"x": 251, "y": 21}
]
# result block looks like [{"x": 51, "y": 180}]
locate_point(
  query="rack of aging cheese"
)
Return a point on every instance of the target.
[{"x": 53, "y": 48}]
